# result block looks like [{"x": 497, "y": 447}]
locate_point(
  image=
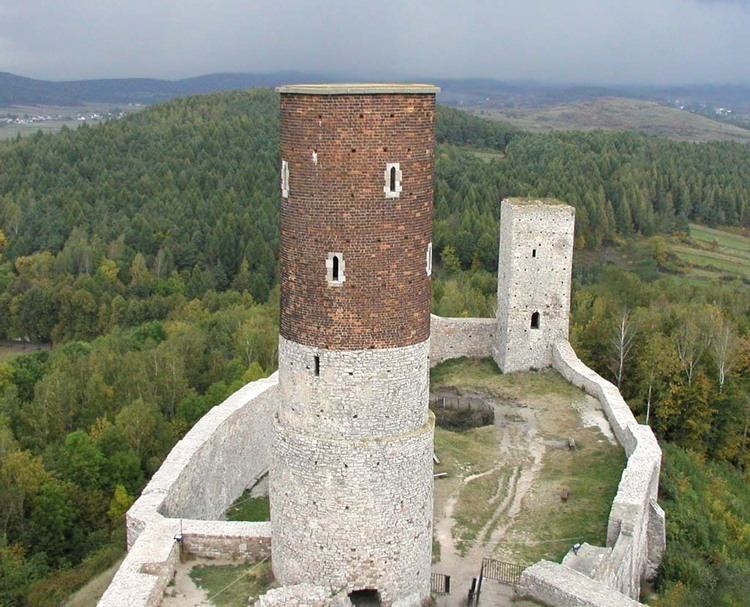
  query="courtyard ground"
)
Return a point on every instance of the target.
[{"x": 503, "y": 493}]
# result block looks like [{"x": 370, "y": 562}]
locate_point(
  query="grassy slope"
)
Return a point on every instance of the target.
[
  {"x": 246, "y": 508},
  {"x": 711, "y": 251},
  {"x": 617, "y": 113}
]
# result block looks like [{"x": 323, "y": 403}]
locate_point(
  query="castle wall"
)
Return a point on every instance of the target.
[
  {"x": 223, "y": 454},
  {"x": 635, "y": 538},
  {"x": 635, "y": 531},
  {"x": 534, "y": 274},
  {"x": 457, "y": 337},
  {"x": 558, "y": 585}
]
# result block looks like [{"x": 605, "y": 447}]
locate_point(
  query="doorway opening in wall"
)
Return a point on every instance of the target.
[
  {"x": 367, "y": 597},
  {"x": 535, "y": 320}
]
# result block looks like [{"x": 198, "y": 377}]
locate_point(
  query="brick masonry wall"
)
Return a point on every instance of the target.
[
  {"x": 337, "y": 147},
  {"x": 534, "y": 274}
]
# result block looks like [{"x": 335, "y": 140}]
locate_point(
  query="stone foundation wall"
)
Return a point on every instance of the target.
[
  {"x": 457, "y": 337},
  {"x": 227, "y": 539},
  {"x": 224, "y": 453},
  {"x": 371, "y": 527}
]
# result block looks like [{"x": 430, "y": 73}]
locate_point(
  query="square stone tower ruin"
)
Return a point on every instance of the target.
[
  {"x": 351, "y": 470},
  {"x": 533, "y": 281}
]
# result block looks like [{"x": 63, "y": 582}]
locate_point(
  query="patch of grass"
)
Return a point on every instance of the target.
[
  {"x": 591, "y": 474},
  {"x": 710, "y": 253},
  {"x": 435, "y": 551},
  {"x": 725, "y": 240},
  {"x": 247, "y": 508},
  {"x": 475, "y": 507},
  {"x": 232, "y": 585},
  {"x": 485, "y": 154},
  {"x": 9, "y": 349},
  {"x": 466, "y": 453},
  {"x": 484, "y": 374}
]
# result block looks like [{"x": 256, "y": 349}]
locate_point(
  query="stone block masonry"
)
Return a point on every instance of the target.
[
  {"x": 533, "y": 281},
  {"x": 458, "y": 337},
  {"x": 356, "y": 393},
  {"x": 372, "y": 496}
]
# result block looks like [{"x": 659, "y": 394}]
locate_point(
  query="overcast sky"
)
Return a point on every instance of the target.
[{"x": 597, "y": 41}]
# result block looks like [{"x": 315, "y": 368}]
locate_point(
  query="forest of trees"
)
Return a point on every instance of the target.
[{"x": 145, "y": 250}]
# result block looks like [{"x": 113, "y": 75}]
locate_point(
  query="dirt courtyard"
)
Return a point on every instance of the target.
[{"x": 529, "y": 486}]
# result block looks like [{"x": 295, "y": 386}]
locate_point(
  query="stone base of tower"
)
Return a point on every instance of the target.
[
  {"x": 354, "y": 514},
  {"x": 521, "y": 349}
]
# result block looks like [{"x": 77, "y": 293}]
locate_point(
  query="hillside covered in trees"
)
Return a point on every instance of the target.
[{"x": 145, "y": 251}]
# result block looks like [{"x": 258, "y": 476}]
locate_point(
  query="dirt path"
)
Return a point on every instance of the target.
[
  {"x": 184, "y": 592},
  {"x": 530, "y": 427},
  {"x": 521, "y": 450}
]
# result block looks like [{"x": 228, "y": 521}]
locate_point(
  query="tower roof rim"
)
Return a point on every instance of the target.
[{"x": 359, "y": 89}]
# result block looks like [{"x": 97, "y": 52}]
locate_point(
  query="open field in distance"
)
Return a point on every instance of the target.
[
  {"x": 617, "y": 113},
  {"x": 29, "y": 119}
]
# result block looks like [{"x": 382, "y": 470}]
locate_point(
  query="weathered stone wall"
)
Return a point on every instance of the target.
[
  {"x": 225, "y": 452},
  {"x": 357, "y": 393},
  {"x": 560, "y": 586},
  {"x": 354, "y": 512},
  {"x": 304, "y": 595},
  {"x": 457, "y": 337},
  {"x": 635, "y": 532},
  {"x": 534, "y": 274},
  {"x": 227, "y": 539}
]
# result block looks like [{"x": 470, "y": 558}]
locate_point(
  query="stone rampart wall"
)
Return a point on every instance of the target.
[
  {"x": 558, "y": 585},
  {"x": 635, "y": 532},
  {"x": 222, "y": 455},
  {"x": 457, "y": 337}
]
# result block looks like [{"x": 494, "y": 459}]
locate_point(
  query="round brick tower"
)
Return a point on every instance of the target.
[{"x": 351, "y": 471}]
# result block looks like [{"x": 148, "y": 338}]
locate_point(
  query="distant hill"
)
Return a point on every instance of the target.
[
  {"x": 617, "y": 113},
  {"x": 688, "y": 113},
  {"x": 18, "y": 90}
]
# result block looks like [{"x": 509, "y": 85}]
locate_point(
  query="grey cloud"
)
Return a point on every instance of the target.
[{"x": 656, "y": 41}]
